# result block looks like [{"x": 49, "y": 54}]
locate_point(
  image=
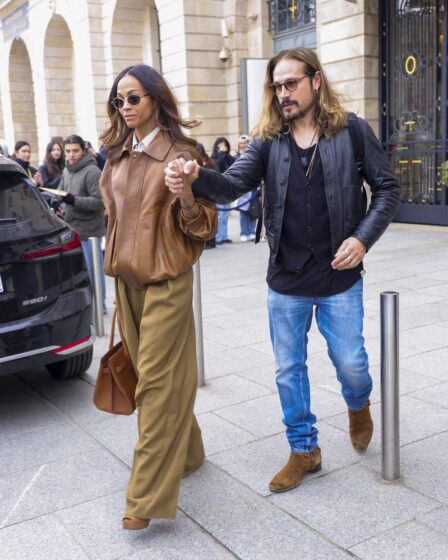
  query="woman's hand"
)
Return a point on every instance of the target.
[
  {"x": 183, "y": 189},
  {"x": 37, "y": 178}
]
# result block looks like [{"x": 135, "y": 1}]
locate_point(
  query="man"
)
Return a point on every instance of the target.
[
  {"x": 318, "y": 233},
  {"x": 84, "y": 209}
]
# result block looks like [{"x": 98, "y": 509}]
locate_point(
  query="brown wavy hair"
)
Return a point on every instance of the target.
[
  {"x": 166, "y": 109},
  {"x": 330, "y": 115},
  {"x": 55, "y": 167}
]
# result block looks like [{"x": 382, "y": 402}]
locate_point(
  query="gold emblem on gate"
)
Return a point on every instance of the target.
[{"x": 411, "y": 65}]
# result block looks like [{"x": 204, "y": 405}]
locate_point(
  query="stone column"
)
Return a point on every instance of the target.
[{"x": 348, "y": 45}]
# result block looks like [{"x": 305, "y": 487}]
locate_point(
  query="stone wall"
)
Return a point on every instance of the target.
[{"x": 348, "y": 44}]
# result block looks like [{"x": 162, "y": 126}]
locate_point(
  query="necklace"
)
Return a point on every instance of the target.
[
  {"x": 310, "y": 166},
  {"x": 304, "y": 157}
]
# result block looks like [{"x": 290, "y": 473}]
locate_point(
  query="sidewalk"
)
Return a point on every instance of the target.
[{"x": 64, "y": 465}]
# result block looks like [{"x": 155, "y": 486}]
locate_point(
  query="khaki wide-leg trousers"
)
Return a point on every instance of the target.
[{"x": 158, "y": 327}]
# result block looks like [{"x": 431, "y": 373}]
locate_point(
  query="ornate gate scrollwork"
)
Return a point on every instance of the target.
[{"x": 414, "y": 103}]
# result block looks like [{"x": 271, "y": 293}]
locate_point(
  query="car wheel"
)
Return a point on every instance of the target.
[{"x": 71, "y": 367}]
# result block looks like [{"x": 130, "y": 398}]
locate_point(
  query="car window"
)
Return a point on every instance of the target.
[{"x": 19, "y": 203}]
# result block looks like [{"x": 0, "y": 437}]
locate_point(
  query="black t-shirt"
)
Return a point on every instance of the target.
[{"x": 303, "y": 265}]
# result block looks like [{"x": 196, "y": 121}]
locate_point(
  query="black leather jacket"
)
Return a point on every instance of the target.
[{"x": 343, "y": 186}]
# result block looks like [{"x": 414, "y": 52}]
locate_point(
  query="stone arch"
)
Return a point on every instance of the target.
[
  {"x": 22, "y": 97},
  {"x": 59, "y": 78},
  {"x": 135, "y": 34}
]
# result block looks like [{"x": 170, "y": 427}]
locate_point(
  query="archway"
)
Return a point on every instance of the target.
[
  {"x": 59, "y": 78},
  {"x": 22, "y": 97},
  {"x": 142, "y": 44}
]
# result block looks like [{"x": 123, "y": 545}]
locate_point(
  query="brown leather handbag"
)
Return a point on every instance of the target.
[{"x": 116, "y": 380}]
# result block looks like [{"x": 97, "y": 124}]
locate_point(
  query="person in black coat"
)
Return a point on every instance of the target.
[{"x": 223, "y": 159}]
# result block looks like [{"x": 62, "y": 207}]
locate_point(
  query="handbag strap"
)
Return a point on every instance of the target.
[
  {"x": 112, "y": 328},
  {"x": 125, "y": 348}
]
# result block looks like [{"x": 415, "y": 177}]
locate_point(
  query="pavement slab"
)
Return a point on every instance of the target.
[
  {"x": 43, "y": 445},
  {"x": 40, "y": 539},
  {"x": 410, "y": 540},
  {"x": 62, "y": 484},
  {"x": 248, "y": 525},
  {"x": 424, "y": 466},
  {"x": 335, "y": 504},
  {"x": 22, "y": 409},
  {"x": 97, "y": 527}
]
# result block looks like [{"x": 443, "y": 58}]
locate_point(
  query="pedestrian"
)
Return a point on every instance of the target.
[
  {"x": 245, "y": 203},
  {"x": 210, "y": 163},
  {"x": 84, "y": 209},
  {"x": 49, "y": 173},
  {"x": 22, "y": 155},
  {"x": 318, "y": 233},
  {"x": 221, "y": 155},
  {"x": 153, "y": 238}
]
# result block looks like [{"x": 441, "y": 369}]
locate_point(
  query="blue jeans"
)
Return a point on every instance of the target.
[
  {"x": 339, "y": 318},
  {"x": 88, "y": 257},
  {"x": 223, "y": 218},
  {"x": 246, "y": 224}
]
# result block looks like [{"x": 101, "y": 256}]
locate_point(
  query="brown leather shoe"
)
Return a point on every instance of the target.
[
  {"x": 360, "y": 427},
  {"x": 134, "y": 523},
  {"x": 292, "y": 473}
]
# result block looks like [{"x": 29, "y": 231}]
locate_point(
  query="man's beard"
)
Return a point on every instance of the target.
[{"x": 299, "y": 113}]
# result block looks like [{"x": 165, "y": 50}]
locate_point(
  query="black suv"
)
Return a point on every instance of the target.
[{"x": 45, "y": 291}]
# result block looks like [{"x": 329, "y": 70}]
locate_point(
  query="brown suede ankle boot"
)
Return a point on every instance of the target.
[
  {"x": 292, "y": 473},
  {"x": 360, "y": 427}
]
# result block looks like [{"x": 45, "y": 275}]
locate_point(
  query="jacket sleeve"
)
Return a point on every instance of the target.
[
  {"x": 93, "y": 201},
  {"x": 243, "y": 176},
  {"x": 384, "y": 187},
  {"x": 203, "y": 226}
]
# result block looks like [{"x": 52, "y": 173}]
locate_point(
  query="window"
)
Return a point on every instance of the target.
[
  {"x": 19, "y": 203},
  {"x": 286, "y": 15}
]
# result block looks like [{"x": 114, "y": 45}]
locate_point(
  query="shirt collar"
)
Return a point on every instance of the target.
[{"x": 140, "y": 146}]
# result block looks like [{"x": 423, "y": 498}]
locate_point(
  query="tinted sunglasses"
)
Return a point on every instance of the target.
[{"x": 133, "y": 99}]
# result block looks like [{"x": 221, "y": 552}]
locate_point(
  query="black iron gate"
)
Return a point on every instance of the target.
[{"x": 414, "y": 105}]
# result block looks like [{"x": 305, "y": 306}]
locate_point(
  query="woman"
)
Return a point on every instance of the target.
[
  {"x": 49, "y": 173},
  {"x": 221, "y": 155},
  {"x": 153, "y": 238},
  {"x": 22, "y": 155}
]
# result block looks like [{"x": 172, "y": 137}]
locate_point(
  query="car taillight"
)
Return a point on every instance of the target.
[{"x": 73, "y": 243}]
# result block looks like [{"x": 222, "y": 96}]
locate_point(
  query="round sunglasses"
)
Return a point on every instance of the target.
[{"x": 133, "y": 99}]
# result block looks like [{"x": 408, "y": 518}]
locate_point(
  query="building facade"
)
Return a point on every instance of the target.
[{"x": 58, "y": 59}]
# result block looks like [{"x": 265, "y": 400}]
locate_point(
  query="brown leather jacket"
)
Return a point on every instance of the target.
[{"x": 148, "y": 238}]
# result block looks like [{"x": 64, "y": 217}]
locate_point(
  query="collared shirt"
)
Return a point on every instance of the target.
[
  {"x": 140, "y": 146},
  {"x": 303, "y": 266}
]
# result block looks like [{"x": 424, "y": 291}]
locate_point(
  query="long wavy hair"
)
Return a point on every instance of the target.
[
  {"x": 55, "y": 167},
  {"x": 167, "y": 113},
  {"x": 330, "y": 115}
]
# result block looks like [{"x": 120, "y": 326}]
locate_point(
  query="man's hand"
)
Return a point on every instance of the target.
[
  {"x": 349, "y": 255},
  {"x": 179, "y": 172}
]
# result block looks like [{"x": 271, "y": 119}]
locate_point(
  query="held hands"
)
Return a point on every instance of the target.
[
  {"x": 182, "y": 185},
  {"x": 179, "y": 176},
  {"x": 349, "y": 255}
]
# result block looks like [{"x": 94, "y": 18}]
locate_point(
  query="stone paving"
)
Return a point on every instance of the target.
[{"x": 64, "y": 465}]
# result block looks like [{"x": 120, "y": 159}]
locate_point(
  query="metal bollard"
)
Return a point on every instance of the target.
[
  {"x": 94, "y": 244},
  {"x": 390, "y": 413},
  {"x": 197, "y": 311}
]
